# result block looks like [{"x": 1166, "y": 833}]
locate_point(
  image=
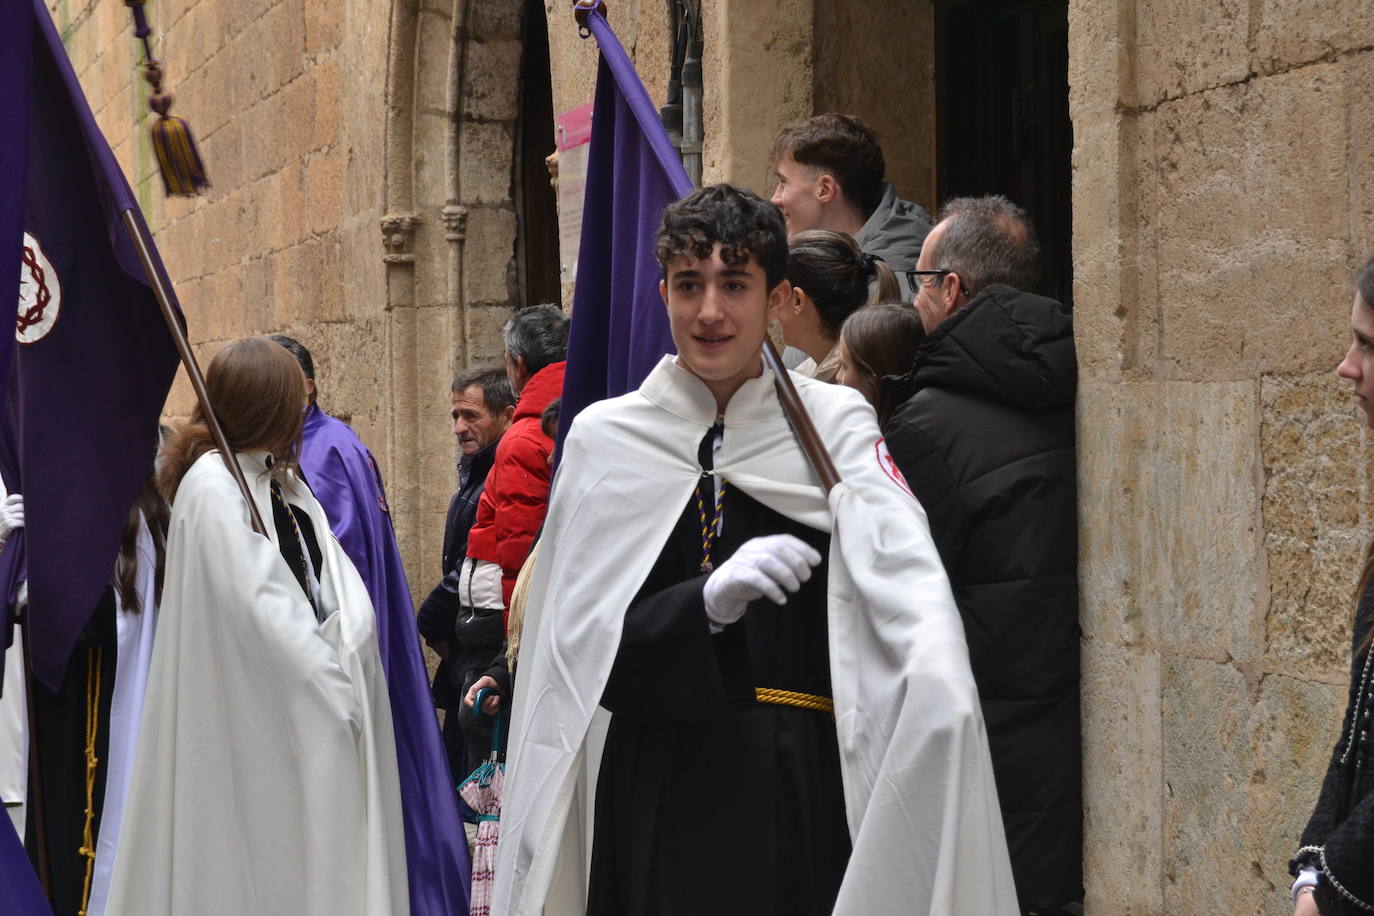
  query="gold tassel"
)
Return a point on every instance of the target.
[{"x": 183, "y": 172}]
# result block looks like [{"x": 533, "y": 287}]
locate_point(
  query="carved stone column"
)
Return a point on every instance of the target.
[{"x": 455, "y": 219}]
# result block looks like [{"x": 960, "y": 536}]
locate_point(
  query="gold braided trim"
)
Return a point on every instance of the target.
[
  {"x": 800, "y": 700},
  {"x": 94, "y": 657}
]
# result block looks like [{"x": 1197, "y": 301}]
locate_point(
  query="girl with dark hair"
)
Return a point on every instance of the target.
[
  {"x": 266, "y": 762},
  {"x": 831, "y": 279},
  {"x": 1333, "y": 871},
  {"x": 878, "y": 341}
]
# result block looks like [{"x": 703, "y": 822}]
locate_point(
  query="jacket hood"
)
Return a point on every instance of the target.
[
  {"x": 895, "y": 230},
  {"x": 1006, "y": 345},
  {"x": 543, "y": 387}
]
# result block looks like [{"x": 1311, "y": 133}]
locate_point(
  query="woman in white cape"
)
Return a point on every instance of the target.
[{"x": 265, "y": 778}]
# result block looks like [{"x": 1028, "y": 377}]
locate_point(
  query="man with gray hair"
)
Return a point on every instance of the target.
[
  {"x": 516, "y": 495},
  {"x": 986, "y": 441}
]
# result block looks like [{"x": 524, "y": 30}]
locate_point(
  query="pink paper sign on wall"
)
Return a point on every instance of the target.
[{"x": 573, "y": 131}]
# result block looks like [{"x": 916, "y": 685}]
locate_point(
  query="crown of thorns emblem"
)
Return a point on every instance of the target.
[{"x": 40, "y": 294}]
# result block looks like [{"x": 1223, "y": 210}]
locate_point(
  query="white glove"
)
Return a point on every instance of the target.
[
  {"x": 11, "y": 515},
  {"x": 762, "y": 567}
]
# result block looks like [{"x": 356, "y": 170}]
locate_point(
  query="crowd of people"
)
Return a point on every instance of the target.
[{"x": 720, "y": 682}]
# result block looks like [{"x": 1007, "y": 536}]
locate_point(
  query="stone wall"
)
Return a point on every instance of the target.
[
  {"x": 875, "y": 60},
  {"x": 1220, "y": 205},
  {"x": 1220, "y": 209},
  {"x": 281, "y": 95}
]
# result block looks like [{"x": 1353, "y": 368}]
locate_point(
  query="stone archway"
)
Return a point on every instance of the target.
[{"x": 448, "y": 237}]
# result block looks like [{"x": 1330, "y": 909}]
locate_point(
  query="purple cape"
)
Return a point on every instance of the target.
[
  {"x": 20, "y": 893},
  {"x": 344, "y": 478}
]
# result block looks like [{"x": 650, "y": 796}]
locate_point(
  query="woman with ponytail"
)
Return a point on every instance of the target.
[
  {"x": 1333, "y": 866},
  {"x": 831, "y": 279}
]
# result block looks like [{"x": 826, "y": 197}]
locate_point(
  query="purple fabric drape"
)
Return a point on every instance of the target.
[
  {"x": 344, "y": 478},
  {"x": 95, "y": 360},
  {"x": 619, "y": 325},
  {"x": 16, "y": 46},
  {"x": 16, "y": 42},
  {"x": 20, "y": 892},
  {"x": 13, "y": 568}
]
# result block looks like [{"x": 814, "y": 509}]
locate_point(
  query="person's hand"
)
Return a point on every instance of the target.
[
  {"x": 767, "y": 567},
  {"x": 1306, "y": 905},
  {"x": 11, "y": 515},
  {"x": 492, "y": 703}
]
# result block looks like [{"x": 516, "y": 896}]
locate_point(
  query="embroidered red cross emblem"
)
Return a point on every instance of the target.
[{"x": 889, "y": 466}]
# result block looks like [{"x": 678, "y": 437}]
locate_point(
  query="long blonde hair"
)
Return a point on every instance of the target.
[{"x": 257, "y": 391}]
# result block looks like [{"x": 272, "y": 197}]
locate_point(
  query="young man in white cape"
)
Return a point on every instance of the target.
[
  {"x": 701, "y": 724},
  {"x": 265, "y": 777}
]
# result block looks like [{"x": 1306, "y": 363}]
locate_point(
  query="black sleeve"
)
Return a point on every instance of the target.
[
  {"x": 934, "y": 484},
  {"x": 1323, "y": 817},
  {"x": 500, "y": 672},
  {"x": 438, "y": 612},
  {"x": 1349, "y": 850},
  {"x": 670, "y": 665}
]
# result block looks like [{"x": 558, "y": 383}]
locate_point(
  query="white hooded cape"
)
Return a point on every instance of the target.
[
  {"x": 919, "y": 793},
  {"x": 135, "y": 631},
  {"x": 264, "y": 779}
]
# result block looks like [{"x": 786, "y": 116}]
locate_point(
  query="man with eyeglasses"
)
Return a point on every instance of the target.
[{"x": 986, "y": 441}]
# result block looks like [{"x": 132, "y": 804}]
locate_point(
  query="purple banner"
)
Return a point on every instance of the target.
[
  {"x": 20, "y": 892},
  {"x": 94, "y": 362},
  {"x": 619, "y": 325},
  {"x": 343, "y": 476}
]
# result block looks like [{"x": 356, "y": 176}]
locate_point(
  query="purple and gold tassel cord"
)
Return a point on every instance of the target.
[{"x": 183, "y": 172}]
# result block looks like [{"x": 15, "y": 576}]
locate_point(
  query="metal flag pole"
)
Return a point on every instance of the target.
[
  {"x": 142, "y": 244},
  {"x": 802, "y": 427}
]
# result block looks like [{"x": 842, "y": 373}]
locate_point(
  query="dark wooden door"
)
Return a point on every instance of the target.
[
  {"x": 536, "y": 205},
  {"x": 1002, "y": 83}
]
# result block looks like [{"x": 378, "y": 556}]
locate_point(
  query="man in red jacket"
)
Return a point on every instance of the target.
[{"x": 516, "y": 496}]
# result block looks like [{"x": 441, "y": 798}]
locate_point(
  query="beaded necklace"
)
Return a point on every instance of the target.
[{"x": 709, "y": 529}]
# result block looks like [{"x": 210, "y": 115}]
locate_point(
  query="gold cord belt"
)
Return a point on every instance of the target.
[{"x": 800, "y": 700}]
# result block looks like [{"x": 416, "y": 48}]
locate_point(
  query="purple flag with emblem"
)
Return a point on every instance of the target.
[
  {"x": 95, "y": 359},
  {"x": 619, "y": 325}
]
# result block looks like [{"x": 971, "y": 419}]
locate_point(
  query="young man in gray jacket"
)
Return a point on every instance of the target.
[{"x": 830, "y": 176}]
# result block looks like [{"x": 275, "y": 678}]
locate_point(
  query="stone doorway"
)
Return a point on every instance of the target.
[
  {"x": 466, "y": 204},
  {"x": 536, "y": 205}
]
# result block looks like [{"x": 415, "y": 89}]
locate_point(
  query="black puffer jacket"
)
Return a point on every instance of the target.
[
  {"x": 439, "y": 611},
  {"x": 986, "y": 441}
]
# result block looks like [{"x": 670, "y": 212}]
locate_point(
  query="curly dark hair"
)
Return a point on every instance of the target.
[{"x": 743, "y": 223}]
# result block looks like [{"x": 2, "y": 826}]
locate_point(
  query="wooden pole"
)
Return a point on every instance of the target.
[
  {"x": 188, "y": 359},
  {"x": 802, "y": 427}
]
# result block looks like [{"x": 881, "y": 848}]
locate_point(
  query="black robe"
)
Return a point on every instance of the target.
[
  {"x": 707, "y": 801},
  {"x": 59, "y": 730},
  {"x": 1342, "y": 821}
]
